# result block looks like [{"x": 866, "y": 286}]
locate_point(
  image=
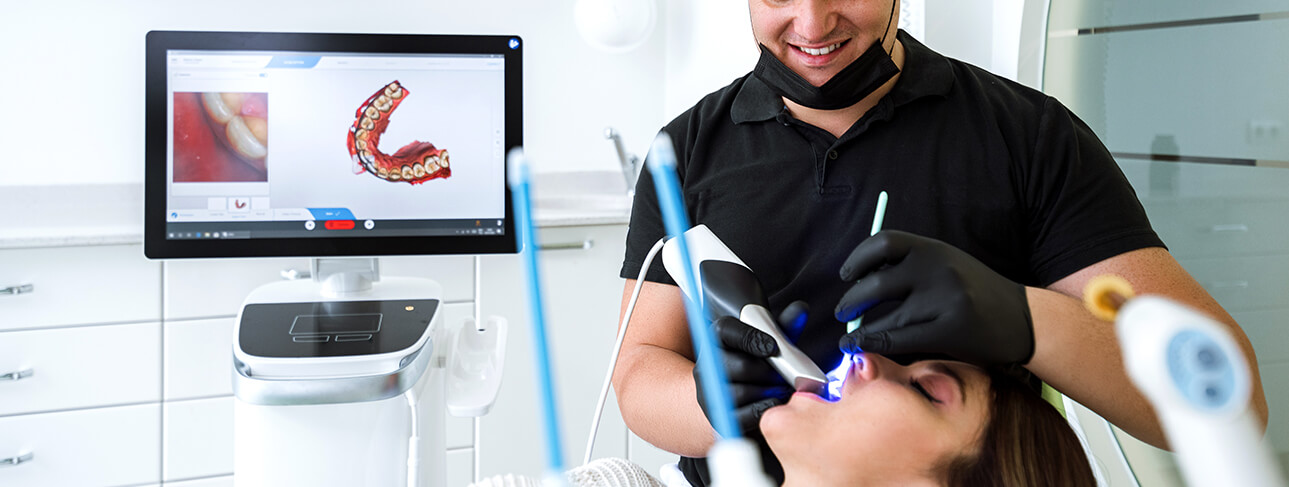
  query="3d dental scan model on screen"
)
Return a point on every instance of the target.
[{"x": 336, "y": 147}]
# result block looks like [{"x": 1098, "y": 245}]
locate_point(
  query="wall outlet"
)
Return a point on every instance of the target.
[{"x": 1264, "y": 131}]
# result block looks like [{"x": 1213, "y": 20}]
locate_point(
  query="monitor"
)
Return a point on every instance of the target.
[{"x": 321, "y": 145}]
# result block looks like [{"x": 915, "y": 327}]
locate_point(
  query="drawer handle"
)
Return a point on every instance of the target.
[
  {"x": 19, "y": 289},
  {"x": 18, "y": 460},
  {"x": 19, "y": 375},
  {"x": 1236, "y": 227},
  {"x": 583, "y": 245},
  {"x": 294, "y": 274}
]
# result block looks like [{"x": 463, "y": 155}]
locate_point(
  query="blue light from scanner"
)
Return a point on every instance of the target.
[{"x": 837, "y": 376}]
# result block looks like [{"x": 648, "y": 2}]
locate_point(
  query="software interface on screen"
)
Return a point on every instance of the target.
[{"x": 269, "y": 144}]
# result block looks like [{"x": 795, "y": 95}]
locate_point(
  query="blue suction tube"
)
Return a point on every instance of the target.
[
  {"x": 517, "y": 176},
  {"x": 662, "y": 166}
]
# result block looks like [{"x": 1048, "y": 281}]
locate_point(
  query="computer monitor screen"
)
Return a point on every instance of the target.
[{"x": 294, "y": 144}]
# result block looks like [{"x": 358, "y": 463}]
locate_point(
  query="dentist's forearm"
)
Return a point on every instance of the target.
[
  {"x": 657, "y": 397},
  {"x": 1079, "y": 355}
]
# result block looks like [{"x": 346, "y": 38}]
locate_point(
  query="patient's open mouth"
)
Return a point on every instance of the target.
[{"x": 415, "y": 163}]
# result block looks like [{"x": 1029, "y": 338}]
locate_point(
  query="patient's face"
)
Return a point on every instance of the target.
[{"x": 893, "y": 423}]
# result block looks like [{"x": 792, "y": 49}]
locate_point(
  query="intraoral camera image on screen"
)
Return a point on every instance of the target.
[{"x": 307, "y": 144}]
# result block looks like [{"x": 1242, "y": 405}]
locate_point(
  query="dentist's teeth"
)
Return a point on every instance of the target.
[{"x": 820, "y": 52}]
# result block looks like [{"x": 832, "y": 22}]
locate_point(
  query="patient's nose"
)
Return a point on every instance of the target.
[{"x": 869, "y": 366}]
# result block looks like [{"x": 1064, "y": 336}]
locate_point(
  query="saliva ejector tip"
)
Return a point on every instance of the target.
[
  {"x": 661, "y": 153},
  {"x": 1105, "y": 294}
]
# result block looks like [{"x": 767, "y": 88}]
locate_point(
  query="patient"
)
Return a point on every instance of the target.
[{"x": 932, "y": 422}]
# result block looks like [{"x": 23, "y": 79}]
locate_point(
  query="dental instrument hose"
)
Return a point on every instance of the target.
[
  {"x": 617, "y": 348},
  {"x": 733, "y": 461},
  {"x": 413, "y": 441},
  {"x": 662, "y": 166},
  {"x": 518, "y": 178}
]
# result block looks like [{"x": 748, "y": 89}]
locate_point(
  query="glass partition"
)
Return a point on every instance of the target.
[{"x": 1190, "y": 96}]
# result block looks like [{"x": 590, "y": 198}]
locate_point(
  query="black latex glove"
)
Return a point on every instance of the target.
[
  {"x": 754, "y": 384},
  {"x": 948, "y": 302}
]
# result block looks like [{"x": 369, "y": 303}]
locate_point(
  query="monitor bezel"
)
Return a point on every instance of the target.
[{"x": 156, "y": 184}]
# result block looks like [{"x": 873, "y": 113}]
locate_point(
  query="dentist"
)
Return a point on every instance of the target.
[{"x": 1003, "y": 204}]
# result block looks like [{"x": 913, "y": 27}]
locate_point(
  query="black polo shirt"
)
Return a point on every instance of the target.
[{"x": 992, "y": 167}]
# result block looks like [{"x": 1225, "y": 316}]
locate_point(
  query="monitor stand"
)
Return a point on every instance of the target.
[{"x": 345, "y": 277}]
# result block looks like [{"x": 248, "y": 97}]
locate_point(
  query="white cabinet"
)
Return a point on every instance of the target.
[
  {"x": 197, "y": 438},
  {"x": 460, "y": 467},
  {"x": 69, "y": 286},
  {"x": 84, "y": 337},
  {"x": 202, "y": 299},
  {"x": 80, "y": 367},
  {"x": 132, "y": 359},
  {"x": 216, "y": 287},
  {"x": 582, "y": 292},
  {"x": 198, "y": 358},
  {"x": 88, "y": 447}
]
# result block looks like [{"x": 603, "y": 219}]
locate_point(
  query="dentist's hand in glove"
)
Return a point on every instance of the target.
[
  {"x": 948, "y": 302},
  {"x": 754, "y": 384}
]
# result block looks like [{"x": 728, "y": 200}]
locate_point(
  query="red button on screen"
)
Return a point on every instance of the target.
[{"x": 339, "y": 225}]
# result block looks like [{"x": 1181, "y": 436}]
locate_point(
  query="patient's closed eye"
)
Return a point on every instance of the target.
[{"x": 917, "y": 385}]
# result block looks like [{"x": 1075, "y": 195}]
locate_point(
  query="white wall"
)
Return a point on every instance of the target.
[
  {"x": 72, "y": 82},
  {"x": 709, "y": 43}
]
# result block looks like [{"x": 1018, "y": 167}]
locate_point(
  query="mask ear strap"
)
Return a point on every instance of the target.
[{"x": 889, "y": 18}]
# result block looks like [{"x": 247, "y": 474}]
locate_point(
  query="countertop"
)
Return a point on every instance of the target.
[{"x": 111, "y": 214}]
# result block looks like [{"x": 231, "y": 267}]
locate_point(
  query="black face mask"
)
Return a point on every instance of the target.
[{"x": 856, "y": 81}]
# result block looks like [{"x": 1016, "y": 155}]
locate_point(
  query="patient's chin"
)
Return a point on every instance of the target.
[{"x": 776, "y": 423}]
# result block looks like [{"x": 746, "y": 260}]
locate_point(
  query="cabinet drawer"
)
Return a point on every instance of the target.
[
  {"x": 460, "y": 468},
  {"x": 78, "y": 285},
  {"x": 1268, "y": 331},
  {"x": 458, "y": 432},
  {"x": 80, "y": 367},
  {"x": 1220, "y": 227},
  {"x": 93, "y": 447},
  {"x": 226, "y": 481},
  {"x": 454, "y": 272},
  {"x": 198, "y": 358},
  {"x": 197, "y": 438},
  {"x": 1243, "y": 283},
  {"x": 217, "y": 287},
  {"x": 583, "y": 294}
]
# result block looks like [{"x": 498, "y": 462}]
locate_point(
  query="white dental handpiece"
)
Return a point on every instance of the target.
[
  {"x": 1196, "y": 376},
  {"x": 729, "y": 288}
]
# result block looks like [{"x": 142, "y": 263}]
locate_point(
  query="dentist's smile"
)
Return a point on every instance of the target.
[{"x": 818, "y": 55}]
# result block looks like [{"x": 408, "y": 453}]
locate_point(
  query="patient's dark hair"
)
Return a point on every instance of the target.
[{"x": 1024, "y": 443}]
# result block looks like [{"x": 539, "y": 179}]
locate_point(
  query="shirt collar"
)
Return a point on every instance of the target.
[{"x": 925, "y": 73}]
